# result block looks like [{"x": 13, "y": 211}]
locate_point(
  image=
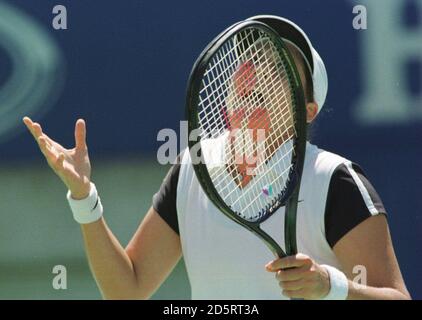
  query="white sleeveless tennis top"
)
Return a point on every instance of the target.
[{"x": 226, "y": 261}]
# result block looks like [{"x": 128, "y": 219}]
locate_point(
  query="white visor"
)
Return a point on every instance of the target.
[{"x": 291, "y": 32}]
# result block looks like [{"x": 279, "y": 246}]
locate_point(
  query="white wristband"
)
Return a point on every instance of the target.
[
  {"x": 338, "y": 283},
  {"x": 86, "y": 210}
]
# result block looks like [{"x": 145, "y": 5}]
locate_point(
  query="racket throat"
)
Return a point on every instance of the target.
[
  {"x": 290, "y": 242},
  {"x": 270, "y": 242}
]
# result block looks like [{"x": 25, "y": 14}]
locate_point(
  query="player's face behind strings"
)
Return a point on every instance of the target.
[
  {"x": 264, "y": 120},
  {"x": 255, "y": 114}
]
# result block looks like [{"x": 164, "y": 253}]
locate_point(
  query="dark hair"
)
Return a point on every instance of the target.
[
  {"x": 309, "y": 86},
  {"x": 308, "y": 83}
]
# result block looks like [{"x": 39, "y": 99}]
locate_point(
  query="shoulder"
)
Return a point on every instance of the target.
[
  {"x": 351, "y": 199},
  {"x": 164, "y": 200},
  {"x": 322, "y": 162},
  {"x": 323, "y": 155}
]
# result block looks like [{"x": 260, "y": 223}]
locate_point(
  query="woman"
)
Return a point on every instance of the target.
[{"x": 344, "y": 223}]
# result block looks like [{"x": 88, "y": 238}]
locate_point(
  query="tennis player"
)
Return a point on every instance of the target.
[{"x": 343, "y": 237}]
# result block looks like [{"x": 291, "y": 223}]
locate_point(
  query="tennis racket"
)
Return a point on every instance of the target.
[{"x": 247, "y": 128}]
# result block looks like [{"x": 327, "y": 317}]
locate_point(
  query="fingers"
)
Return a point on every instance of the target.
[
  {"x": 293, "y": 285},
  {"x": 301, "y": 293},
  {"x": 36, "y": 131},
  {"x": 46, "y": 150},
  {"x": 27, "y": 121},
  {"x": 60, "y": 161},
  {"x": 42, "y": 141},
  {"x": 303, "y": 288},
  {"x": 293, "y": 274},
  {"x": 80, "y": 134},
  {"x": 53, "y": 152},
  {"x": 297, "y": 260},
  {"x": 33, "y": 127},
  {"x": 300, "y": 277},
  {"x": 56, "y": 161}
]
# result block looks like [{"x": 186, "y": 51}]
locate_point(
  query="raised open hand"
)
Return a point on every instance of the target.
[{"x": 71, "y": 165}]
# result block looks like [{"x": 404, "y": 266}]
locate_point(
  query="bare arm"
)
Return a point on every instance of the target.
[
  {"x": 369, "y": 244},
  {"x": 137, "y": 272},
  {"x": 131, "y": 273}
]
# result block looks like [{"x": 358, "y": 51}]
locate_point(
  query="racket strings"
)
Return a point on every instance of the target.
[
  {"x": 219, "y": 99},
  {"x": 272, "y": 110},
  {"x": 257, "y": 200},
  {"x": 261, "y": 89},
  {"x": 229, "y": 56},
  {"x": 272, "y": 147},
  {"x": 225, "y": 55},
  {"x": 272, "y": 144},
  {"x": 267, "y": 105},
  {"x": 277, "y": 117}
]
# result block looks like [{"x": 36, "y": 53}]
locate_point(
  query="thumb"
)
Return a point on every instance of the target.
[{"x": 80, "y": 134}]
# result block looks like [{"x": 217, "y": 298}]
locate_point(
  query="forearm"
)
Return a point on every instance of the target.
[
  {"x": 111, "y": 265},
  {"x": 361, "y": 292},
  {"x": 112, "y": 268}
]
